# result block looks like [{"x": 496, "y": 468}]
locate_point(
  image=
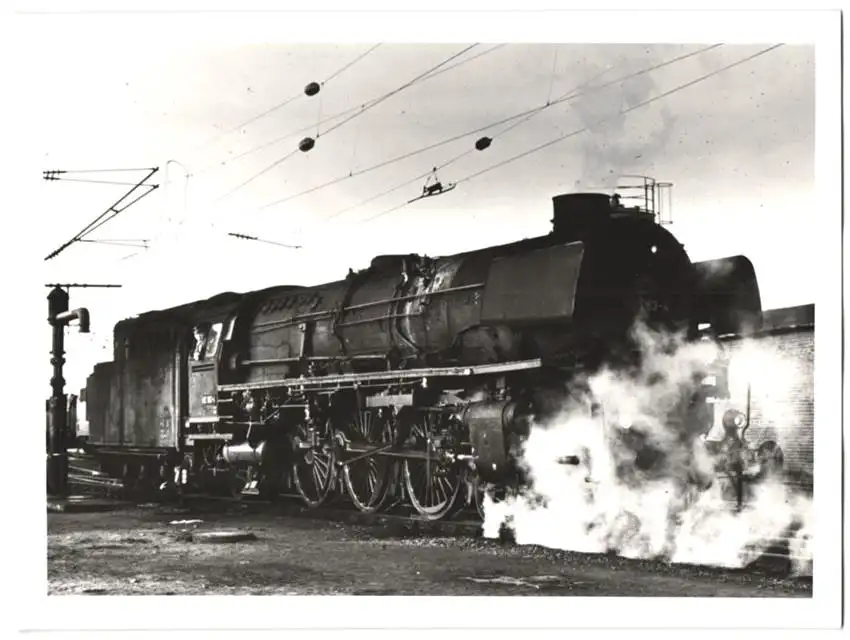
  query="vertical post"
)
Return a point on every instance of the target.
[
  {"x": 57, "y": 415},
  {"x": 57, "y": 455}
]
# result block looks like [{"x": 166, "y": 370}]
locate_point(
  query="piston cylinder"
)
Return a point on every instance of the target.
[{"x": 245, "y": 454}]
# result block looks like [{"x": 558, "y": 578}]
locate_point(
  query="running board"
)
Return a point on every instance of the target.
[{"x": 380, "y": 378}]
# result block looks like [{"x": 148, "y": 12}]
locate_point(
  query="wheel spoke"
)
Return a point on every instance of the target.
[
  {"x": 432, "y": 485},
  {"x": 368, "y": 480},
  {"x": 444, "y": 487},
  {"x": 313, "y": 473},
  {"x": 373, "y": 476},
  {"x": 320, "y": 463}
]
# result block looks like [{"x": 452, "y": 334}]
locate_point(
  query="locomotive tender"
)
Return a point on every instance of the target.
[{"x": 415, "y": 379}]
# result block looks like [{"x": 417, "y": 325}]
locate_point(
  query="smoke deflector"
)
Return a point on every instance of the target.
[{"x": 727, "y": 295}]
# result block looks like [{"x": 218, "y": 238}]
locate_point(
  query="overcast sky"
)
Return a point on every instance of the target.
[{"x": 738, "y": 147}]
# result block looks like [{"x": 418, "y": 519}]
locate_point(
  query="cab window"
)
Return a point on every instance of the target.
[
  {"x": 212, "y": 340},
  {"x": 206, "y": 339},
  {"x": 200, "y": 342}
]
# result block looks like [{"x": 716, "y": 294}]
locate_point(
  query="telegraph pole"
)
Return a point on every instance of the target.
[{"x": 57, "y": 453}]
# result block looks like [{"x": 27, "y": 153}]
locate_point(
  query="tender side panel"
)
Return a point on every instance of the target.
[
  {"x": 170, "y": 410},
  {"x": 98, "y": 401},
  {"x": 149, "y": 391},
  {"x": 115, "y": 414},
  {"x": 534, "y": 287}
]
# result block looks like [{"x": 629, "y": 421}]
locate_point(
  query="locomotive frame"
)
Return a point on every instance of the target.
[{"x": 415, "y": 380}]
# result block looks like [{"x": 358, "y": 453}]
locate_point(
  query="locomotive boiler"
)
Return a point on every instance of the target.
[{"x": 415, "y": 379}]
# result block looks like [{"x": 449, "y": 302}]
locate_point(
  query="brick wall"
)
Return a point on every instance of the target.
[{"x": 778, "y": 363}]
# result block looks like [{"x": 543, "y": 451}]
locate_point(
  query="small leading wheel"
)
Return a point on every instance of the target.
[
  {"x": 368, "y": 481},
  {"x": 314, "y": 470},
  {"x": 432, "y": 485}
]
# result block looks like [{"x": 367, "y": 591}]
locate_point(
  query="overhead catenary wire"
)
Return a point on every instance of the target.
[
  {"x": 340, "y": 114},
  {"x": 554, "y": 68},
  {"x": 576, "y": 132},
  {"x": 114, "y": 182},
  {"x": 253, "y": 177},
  {"x": 398, "y": 186},
  {"x": 235, "y": 128},
  {"x": 350, "y": 64},
  {"x": 365, "y": 107},
  {"x": 138, "y": 244},
  {"x": 644, "y": 103},
  {"x": 115, "y": 212},
  {"x": 285, "y": 102},
  {"x": 465, "y": 153},
  {"x": 56, "y": 171},
  {"x": 82, "y": 285},
  {"x": 265, "y": 145},
  {"x": 406, "y": 85},
  {"x": 516, "y": 118},
  {"x": 112, "y": 209},
  {"x": 571, "y": 95},
  {"x": 243, "y": 236},
  {"x": 117, "y": 240}
]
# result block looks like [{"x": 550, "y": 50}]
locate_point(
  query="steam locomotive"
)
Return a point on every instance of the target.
[{"x": 415, "y": 380}]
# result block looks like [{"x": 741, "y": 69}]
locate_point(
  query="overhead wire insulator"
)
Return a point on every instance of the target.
[
  {"x": 306, "y": 144},
  {"x": 483, "y": 143},
  {"x": 312, "y": 89}
]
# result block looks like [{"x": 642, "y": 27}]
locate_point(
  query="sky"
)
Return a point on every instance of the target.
[{"x": 738, "y": 148}]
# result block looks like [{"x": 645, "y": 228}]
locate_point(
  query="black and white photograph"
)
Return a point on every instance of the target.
[{"x": 480, "y": 305}]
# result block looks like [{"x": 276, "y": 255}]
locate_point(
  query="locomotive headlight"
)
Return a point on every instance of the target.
[
  {"x": 734, "y": 420},
  {"x": 653, "y": 249}
]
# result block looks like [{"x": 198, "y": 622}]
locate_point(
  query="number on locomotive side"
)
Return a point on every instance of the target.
[{"x": 288, "y": 302}]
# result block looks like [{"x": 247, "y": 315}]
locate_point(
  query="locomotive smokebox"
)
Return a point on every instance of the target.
[{"x": 575, "y": 212}]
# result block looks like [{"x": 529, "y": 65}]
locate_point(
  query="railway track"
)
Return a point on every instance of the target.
[{"x": 775, "y": 554}]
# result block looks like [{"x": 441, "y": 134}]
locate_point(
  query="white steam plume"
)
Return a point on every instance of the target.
[
  {"x": 616, "y": 143},
  {"x": 677, "y": 509}
]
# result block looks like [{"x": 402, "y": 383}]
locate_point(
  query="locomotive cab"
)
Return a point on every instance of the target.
[{"x": 203, "y": 357}]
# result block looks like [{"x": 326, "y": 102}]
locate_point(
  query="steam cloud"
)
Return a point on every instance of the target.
[
  {"x": 614, "y": 143},
  {"x": 680, "y": 511}
]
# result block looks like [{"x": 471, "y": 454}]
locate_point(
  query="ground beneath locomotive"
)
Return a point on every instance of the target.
[{"x": 136, "y": 552}]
